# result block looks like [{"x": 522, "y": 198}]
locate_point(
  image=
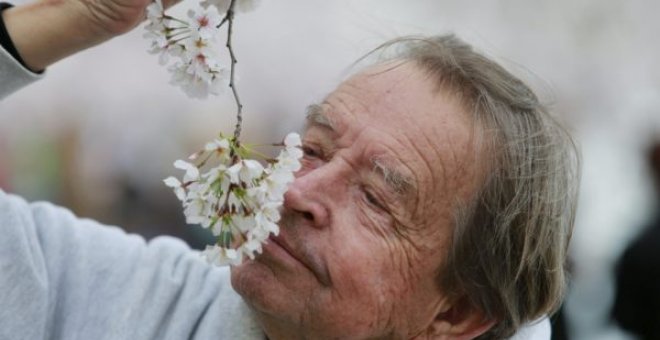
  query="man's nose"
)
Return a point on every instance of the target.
[{"x": 307, "y": 197}]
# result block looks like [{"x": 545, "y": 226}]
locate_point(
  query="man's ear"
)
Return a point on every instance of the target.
[{"x": 461, "y": 321}]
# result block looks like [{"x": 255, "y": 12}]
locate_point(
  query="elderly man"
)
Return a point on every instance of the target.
[{"x": 435, "y": 201}]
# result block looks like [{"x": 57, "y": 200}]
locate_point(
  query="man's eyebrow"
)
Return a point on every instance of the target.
[
  {"x": 316, "y": 116},
  {"x": 400, "y": 184}
]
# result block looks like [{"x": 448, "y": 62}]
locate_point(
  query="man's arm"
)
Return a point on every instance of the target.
[
  {"x": 47, "y": 31},
  {"x": 62, "y": 277}
]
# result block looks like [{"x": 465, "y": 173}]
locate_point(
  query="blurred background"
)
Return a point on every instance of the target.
[{"x": 103, "y": 128}]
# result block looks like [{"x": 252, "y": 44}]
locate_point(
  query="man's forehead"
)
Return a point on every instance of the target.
[{"x": 388, "y": 167}]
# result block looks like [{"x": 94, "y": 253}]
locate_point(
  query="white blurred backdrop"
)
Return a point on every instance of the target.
[{"x": 103, "y": 127}]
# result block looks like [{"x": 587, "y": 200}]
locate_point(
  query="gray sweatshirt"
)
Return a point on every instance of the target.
[
  {"x": 62, "y": 277},
  {"x": 67, "y": 278}
]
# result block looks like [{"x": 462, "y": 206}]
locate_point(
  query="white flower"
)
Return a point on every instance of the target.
[
  {"x": 221, "y": 257},
  {"x": 159, "y": 34},
  {"x": 204, "y": 23},
  {"x": 269, "y": 211},
  {"x": 192, "y": 42},
  {"x": 237, "y": 199},
  {"x": 251, "y": 171},
  {"x": 217, "y": 227},
  {"x": 155, "y": 11},
  {"x": 196, "y": 212},
  {"x": 234, "y": 202},
  {"x": 202, "y": 52},
  {"x": 197, "y": 85},
  {"x": 232, "y": 173},
  {"x": 244, "y": 223},
  {"x": 197, "y": 70},
  {"x": 245, "y": 171},
  {"x": 233, "y": 257},
  {"x": 251, "y": 247},
  {"x": 289, "y": 160},
  {"x": 216, "y": 175},
  {"x": 217, "y": 145},
  {"x": 275, "y": 185},
  {"x": 212, "y": 253},
  {"x": 164, "y": 38},
  {"x": 267, "y": 218},
  {"x": 192, "y": 173},
  {"x": 292, "y": 140},
  {"x": 174, "y": 183},
  {"x": 160, "y": 45}
]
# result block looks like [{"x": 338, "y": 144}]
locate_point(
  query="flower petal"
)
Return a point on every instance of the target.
[
  {"x": 292, "y": 140},
  {"x": 172, "y": 182}
]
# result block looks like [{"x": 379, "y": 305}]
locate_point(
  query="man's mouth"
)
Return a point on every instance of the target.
[
  {"x": 278, "y": 247},
  {"x": 284, "y": 248}
]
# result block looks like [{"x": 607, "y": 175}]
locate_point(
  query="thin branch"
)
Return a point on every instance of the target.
[
  {"x": 223, "y": 21},
  {"x": 232, "y": 80}
]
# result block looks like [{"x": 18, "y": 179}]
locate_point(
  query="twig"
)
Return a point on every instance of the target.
[
  {"x": 232, "y": 82},
  {"x": 223, "y": 21}
]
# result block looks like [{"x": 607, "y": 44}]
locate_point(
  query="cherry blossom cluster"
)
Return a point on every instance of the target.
[
  {"x": 192, "y": 43},
  {"x": 238, "y": 199}
]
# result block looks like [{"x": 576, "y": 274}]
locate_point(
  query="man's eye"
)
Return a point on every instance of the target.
[
  {"x": 310, "y": 152},
  {"x": 371, "y": 199}
]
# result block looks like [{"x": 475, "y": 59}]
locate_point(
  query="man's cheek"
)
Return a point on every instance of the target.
[
  {"x": 362, "y": 296},
  {"x": 363, "y": 274},
  {"x": 383, "y": 275}
]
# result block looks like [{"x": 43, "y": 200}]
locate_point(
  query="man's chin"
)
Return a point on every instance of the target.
[
  {"x": 250, "y": 278},
  {"x": 259, "y": 286}
]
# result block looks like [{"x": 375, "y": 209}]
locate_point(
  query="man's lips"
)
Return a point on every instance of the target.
[
  {"x": 279, "y": 242},
  {"x": 279, "y": 246}
]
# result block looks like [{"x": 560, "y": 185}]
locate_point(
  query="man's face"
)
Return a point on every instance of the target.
[{"x": 368, "y": 220}]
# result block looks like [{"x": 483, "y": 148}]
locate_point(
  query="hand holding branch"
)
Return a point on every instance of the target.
[{"x": 49, "y": 30}]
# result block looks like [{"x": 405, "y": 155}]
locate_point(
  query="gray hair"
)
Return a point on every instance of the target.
[{"x": 510, "y": 241}]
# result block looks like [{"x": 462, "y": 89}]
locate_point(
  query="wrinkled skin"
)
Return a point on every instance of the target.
[
  {"x": 354, "y": 260},
  {"x": 114, "y": 17}
]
